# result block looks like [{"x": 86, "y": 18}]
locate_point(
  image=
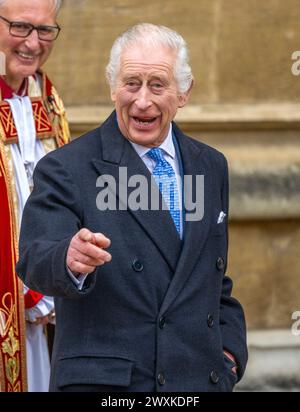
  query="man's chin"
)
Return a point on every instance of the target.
[
  {"x": 145, "y": 140},
  {"x": 25, "y": 68},
  {"x": 28, "y": 69}
]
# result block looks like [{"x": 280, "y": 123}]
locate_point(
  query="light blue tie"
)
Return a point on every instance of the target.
[{"x": 165, "y": 178}]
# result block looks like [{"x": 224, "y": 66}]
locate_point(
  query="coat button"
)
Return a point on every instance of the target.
[
  {"x": 137, "y": 265},
  {"x": 210, "y": 320},
  {"x": 161, "y": 379},
  {"x": 220, "y": 263},
  {"x": 162, "y": 322},
  {"x": 214, "y": 377}
]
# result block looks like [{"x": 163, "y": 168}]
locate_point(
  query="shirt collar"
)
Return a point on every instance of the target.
[
  {"x": 7, "y": 92},
  {"x": 167, "y": 146}
]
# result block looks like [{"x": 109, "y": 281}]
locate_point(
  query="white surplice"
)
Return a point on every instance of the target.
[{"x": 25, "y": 156}]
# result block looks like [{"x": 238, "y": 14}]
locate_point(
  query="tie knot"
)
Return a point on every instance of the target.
[
  {"x": 162, "y": 167},
  {"x": 156, "y": 154}
]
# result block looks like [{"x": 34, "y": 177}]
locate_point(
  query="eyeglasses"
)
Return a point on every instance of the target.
[{"x": 23, "y": 29}]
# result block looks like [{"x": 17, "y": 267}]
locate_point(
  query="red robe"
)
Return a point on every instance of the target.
[{"x": 50, "y": 122}]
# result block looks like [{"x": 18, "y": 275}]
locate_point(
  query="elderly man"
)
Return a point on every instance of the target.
[
  {"x": 138, "y": 274},
  {"x": 32, "y": 122}
]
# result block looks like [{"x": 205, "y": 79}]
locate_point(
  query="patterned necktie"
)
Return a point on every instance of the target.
[{"x": 165, "y": 178}]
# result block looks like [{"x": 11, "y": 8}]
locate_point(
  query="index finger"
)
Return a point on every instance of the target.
[
  {"x": 86, "y": 235},
  {"x": 101, "y": 240}
]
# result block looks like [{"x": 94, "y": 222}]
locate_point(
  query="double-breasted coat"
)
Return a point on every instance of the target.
[{"x": 160, "y": 314}]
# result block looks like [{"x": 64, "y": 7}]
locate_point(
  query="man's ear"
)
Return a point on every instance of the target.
[{"x": 184, "y": 97}]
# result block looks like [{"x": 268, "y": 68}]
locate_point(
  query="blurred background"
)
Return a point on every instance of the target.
[{"x": 246, "y": 103}]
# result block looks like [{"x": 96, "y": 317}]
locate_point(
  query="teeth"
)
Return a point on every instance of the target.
[
  {"x": 26, "y": 56},
  {"x": 144, "y": 122}
]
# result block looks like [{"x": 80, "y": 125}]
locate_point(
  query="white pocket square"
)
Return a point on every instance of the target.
[{"x": 221, "y": 217}]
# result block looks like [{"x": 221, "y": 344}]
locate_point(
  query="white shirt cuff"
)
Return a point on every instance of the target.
[
  {"x": 77, "y": 280},
  {"x": 42, "y": 308}
]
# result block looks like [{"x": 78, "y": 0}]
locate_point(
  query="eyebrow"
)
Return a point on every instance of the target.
[{"x": 160, "y": 78}]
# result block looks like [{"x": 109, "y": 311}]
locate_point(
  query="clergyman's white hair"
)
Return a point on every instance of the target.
[
  {"x": 151, "y": 34},
  {"x": 58, "y": 4}
]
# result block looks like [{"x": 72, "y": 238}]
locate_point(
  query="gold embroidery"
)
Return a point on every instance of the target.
[
  {"x": 14, "y": 195},
  {"x": 12, "y": 304},
  {"x": 6, "y": 313},
  {"x": 11, "y": 344},
  {"x": 7, "y": 121},
  {"x": 43, "y": 124},
  {"x": 60, "y": 121},
  {"x": 12, "y": 367},
  {"x": 12, "y": 364}
]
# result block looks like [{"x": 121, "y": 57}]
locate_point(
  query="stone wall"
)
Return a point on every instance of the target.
[{"x": 240, "y": 50}]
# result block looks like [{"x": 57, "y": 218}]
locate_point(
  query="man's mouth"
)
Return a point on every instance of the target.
[
  {"x": 144, "y": 121},
  {"x": 26, "y": 56}
]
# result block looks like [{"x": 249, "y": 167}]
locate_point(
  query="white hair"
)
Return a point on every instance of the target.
[
  {"x": 58, "y": 4},
  {"x": 151, "y": 34}
]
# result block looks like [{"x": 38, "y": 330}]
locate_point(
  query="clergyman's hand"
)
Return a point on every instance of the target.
[
  {"x": 43, "y": 320},
  {"x": 86, "y": 252}
]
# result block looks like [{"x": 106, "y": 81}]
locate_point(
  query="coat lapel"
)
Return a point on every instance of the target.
[
  {"x": 195, "y": 232},
  {"x": 118, "y": 153}
]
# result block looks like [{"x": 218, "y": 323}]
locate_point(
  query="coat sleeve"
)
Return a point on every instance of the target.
[
  {"x": 51, "y": 217},
  {"x": 232, "y": 319}
]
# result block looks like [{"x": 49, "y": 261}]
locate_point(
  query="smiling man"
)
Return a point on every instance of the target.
[
  {"x": 32, "y": 122},
  {"x": 26, "y": 54},
  {"x": 142, "y": 300},
  {"x": 146, "y": 94}
]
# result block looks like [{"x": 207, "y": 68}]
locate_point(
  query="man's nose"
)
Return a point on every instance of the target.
[
  {"x": 143, "y": 100},
  {"x": 33, "y": 41}
]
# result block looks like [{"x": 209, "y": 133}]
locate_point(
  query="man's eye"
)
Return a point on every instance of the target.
[
  {"x": 156, "y": 85},
  {"x": 45, "y": 30},
  {"x": 132, "y": 84},
  {"x": 21, "y": 26}
]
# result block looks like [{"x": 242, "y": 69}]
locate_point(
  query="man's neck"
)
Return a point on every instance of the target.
[
  {"x": 14, "y": 82},
  {"x": 9, "y": 88}
]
